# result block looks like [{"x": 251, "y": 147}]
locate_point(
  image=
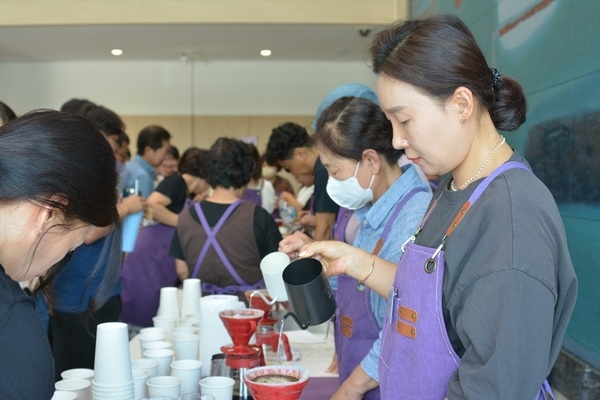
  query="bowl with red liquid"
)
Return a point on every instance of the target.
[{"x": 276, "y": 382}]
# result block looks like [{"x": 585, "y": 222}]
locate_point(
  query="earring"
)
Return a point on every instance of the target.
[{"x": 463, "y": 119}]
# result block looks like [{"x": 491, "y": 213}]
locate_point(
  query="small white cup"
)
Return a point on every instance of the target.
[
  {"x": 164, "y": 358},
  {"x": 149, "y": 364},
  {"x": 221, "y": 387},
  {"x": 159, "y": 344},
  {"x": 64, "y": 395},
  {"x": 190, "y": 303},
  {"x": 164, "y": 386},
  {"x": 140, "y": 377},
  {"x": 168, "y": 303},
  {"x": 190, "y": 372},
  {"x": 272, "y": 266},
  {"x": 166, "y": 322},
  {"x": 81, "y": 387},
  {"x": 78, "y": 373},
  {"x": 186, "y": 346},
  {"x": 159, "y": 335}
]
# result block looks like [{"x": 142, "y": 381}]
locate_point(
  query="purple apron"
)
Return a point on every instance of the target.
[
  {"x": 253, "y": 196},
  {"x": 355, "y": 326},
  {"x": 212, "y": 241},
  {"x": 145, "y": 271},
  {"x": 417, "y": 358},
  {"x": 341, "y": 223}
]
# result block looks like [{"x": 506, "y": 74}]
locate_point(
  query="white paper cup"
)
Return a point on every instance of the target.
[
  {"x": 78, "y": 373},
  {"x": 152, "y": 330},
  {"x": 159, "y": 344},
  {"x": 164, "y": 386},
  {"x": 190, "y": 330},
  {"x": 164, "y": 358},
  {"x": 190, "y": 372},
  {"x": 140, "y": 377},
  {"x": 165, "y": 322},
  {"x": 186, "y": 346},
  {"x": 196, "y": 396},
  {"x": 64, "y": 395},
  {"x": 168, "y": 304},
  {"x": 272, "y": 266},
  {"x": 190, "y": 303},
  {"x": 221, "y": 387},
  {"x": 159, "y": 335},
  {"x": 149, "y": 364},
  {"x": 81, "y": 387},
  {"x": 131, "y": 227},
  {"x": 112, "y": 365}
]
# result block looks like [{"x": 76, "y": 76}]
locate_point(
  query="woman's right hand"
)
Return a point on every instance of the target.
[
  {"x": 338, "y": 257},
  {"x": 291, "y": 244}
]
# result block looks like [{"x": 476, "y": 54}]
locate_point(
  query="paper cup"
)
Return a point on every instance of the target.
[
  {"x": 112, "y": 365},
  {"x": 78, "y": 373},
  {"x": 140, "y": 377},
  {"x": 190, "y": 372},
  {"x": 63, "y": 395},
  {"x": 81, "y": 387},
  {"x": 221, "y": 387},
  {"x": 168, "y": 304},
  {"x": 164, "y": 386},
  {"x": 190, "y": 303},
  {"x": 149, "y": 364},
  {"x": 159, "y": 344},
  {"x": 186, "y": 346},
  {"x": 272, "y": 266},
  {"x": 164, "y": 358}
]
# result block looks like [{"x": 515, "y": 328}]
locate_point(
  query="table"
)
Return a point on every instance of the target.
[{"x": 316, "y": 352}]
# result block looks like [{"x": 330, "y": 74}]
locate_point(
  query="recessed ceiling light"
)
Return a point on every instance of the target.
[
  {"x": 265, "y": 53},
  {"x": 116, "y": 52}
]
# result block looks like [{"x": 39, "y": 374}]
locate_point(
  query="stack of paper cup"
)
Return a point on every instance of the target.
[
  {"x": 213, "y": 334},
  {"x": 148, "y": 364},
  {"x": 190, "y": 304},
  {"x": 113, "y": 378}
]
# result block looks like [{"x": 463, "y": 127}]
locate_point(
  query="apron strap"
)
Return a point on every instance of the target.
[
  {"x": 479, "y": 191},
  {"x": 392, "y": 219},
  {"x": 212, "y": 241}
]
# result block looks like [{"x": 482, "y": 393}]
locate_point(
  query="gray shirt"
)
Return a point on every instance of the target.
[{"x": 509, "y": 288}]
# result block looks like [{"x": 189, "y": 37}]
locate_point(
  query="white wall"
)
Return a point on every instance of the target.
[{"x": 164, "y": 87}]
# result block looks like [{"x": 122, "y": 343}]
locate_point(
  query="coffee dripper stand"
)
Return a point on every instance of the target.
[
  {"x": 267, "y": 334},
  {"x": 242, "y": 356}
]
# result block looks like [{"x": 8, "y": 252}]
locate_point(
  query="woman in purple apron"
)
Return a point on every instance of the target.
[
  {"x": 353, "y": 140},
  {"x": 150, "y": 267},
  {"x": 483, "y": 293},
  {"x": 222, "y": 239}
]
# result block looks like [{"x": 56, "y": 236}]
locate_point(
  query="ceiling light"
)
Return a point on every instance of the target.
[
  {"x": 116, "y": 52},
  {"x": 265, "y": 53}
]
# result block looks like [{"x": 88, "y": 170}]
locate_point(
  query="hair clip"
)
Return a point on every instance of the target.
[{"x": 496, "y": 75}]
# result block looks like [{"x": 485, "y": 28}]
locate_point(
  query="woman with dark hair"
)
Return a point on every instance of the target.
[
  {"x": 353, "y": 138},
  {"x": 6, "y": 113},
  {"x": 51, "y": 196},
  {"x": 222, "y": 239},
  {"x": 485, "y": 288},
  {"x": 150, "y": 267}
]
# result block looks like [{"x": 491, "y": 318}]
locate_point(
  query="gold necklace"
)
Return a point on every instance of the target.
[{"x": 480, "y": 168}]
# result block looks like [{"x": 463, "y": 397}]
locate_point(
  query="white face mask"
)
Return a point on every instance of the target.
[{"x": 348, "y": 193}]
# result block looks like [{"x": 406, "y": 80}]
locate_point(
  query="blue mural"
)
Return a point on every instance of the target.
[{"x": 550, "y": 47}]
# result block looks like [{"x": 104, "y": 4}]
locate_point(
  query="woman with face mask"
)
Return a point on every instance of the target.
[{"x": 353, "y": 138}]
